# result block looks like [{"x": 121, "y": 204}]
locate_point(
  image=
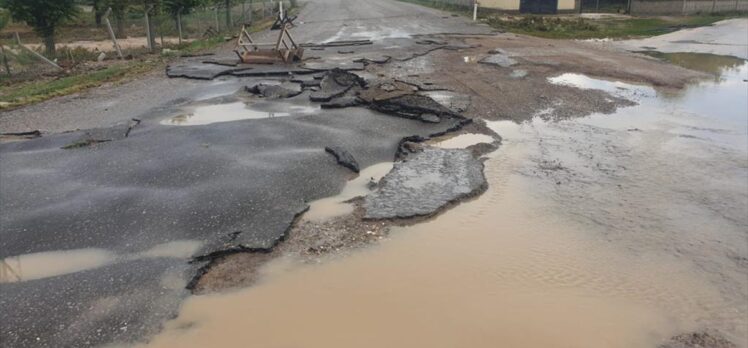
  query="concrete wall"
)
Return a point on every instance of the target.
[
  {"x": 513, "y": 5},
  {"x": 676, "y": 7},
  {"x": 509, "y": 5},
  {"x": 565, "y": 5}
]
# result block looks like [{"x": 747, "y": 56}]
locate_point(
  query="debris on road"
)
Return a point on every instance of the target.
[
  {"x": 102, "y": 135},
  {"x": 425, "y": 182},
  {"x": 336, "y": 83},
  {"x": 343, "y": 157},
  {"x": 283, "y": 50},
  {"x": 273, "y": 91}
]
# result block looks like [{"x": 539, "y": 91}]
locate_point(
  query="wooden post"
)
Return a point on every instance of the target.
[
  {"x": 18, "y": 40},
  {"x": 111, "y": 33}
]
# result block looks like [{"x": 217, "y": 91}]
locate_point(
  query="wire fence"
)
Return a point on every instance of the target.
[{"x": 85, "y": 40}]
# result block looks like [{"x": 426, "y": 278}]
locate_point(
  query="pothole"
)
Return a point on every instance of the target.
[
  {"x": 236, "y": 111},
  {"x": 338, "y": 205},
  {"x": 463, "y": 141}
]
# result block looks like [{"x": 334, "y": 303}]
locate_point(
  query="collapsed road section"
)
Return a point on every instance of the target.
[{"x": 235, "y": 186}]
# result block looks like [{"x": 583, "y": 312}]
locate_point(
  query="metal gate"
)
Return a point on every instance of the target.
[{"x": 538, "y": 6}]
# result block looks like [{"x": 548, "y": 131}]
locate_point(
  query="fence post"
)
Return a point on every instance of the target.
[
  {"x": 111, "y": 32},
  {"x": 684, "y": 8},
  {"x": 179, "y": 24},
  {"x": 18, "y": 40},
  {"x": 5, "y": 60},
  {"x": 475, "y": 10},
  {"x": 251, "y": 11},
  {"x": 148, "y": 32},
  {"x": 218, "y": 26}
]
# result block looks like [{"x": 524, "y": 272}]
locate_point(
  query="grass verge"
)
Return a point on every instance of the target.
[
  {"x": 582, "y": 28},
  {"x": 572, "y": 27},
  {"x": 17, "y": 94}
]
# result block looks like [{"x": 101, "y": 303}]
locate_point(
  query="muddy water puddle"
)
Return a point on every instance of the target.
[
  {"x": 462, "y": 141},
  {"x": 47, "y": 264},
  {"x": 331, "y": 207},
  {"x": 607, "y": 231},
  {"x": 236, "y": 111},
  {"x": 492, "y": 272}
]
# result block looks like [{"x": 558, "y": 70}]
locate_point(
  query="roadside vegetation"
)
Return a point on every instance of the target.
[
  {"x": 567, "y": 27},
  {"x": 609, "y": 25},
  {"x": 80, "y": 43}
]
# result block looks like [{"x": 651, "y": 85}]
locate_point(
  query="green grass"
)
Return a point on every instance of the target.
[
  {"x": 36, "y": 91},
  {"x": 14, "y": 95},
  {"x": 580, "y": 28},
  {"x": 569, "y": 27}
]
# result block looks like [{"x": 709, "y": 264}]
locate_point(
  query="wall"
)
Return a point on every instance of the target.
[
  {"x": 564, "y": 5},
  {"x": 659, "y": 7},
  {"x": 509, "y": 5},
  {"x": 513, "y": 5}
]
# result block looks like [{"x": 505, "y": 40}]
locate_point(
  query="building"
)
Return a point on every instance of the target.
[{"x": 532, "y": 6}]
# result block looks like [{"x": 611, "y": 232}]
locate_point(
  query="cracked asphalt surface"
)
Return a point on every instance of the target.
[{"x": 225, "y": 185}]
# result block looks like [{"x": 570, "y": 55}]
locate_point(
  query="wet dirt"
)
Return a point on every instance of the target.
[{"x": 462, "y": 141}]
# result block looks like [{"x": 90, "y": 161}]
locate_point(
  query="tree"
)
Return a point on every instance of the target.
[
  {"x": 44, "y": 16},
  {"x": 99, "y": 7},
  {"x": 119, "y": 10}
]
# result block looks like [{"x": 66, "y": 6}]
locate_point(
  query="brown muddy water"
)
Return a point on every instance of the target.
[
  {"x": 606, "y": 231},
  {"x": 41, "y": 265}
]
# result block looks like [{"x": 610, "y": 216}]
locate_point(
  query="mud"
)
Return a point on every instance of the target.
[{"x": 699, "y": 340}]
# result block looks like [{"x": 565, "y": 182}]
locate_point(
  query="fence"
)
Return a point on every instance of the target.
[
  {"x": 685, "y": 7},
  {"x": 84, "y": 40}
]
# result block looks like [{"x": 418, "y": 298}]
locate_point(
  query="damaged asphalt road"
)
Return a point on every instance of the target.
[
  {"x": 232, "y": 186},
  {"x": 123, "y": 187}
]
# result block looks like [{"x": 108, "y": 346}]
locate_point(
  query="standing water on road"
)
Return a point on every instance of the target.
[{"x": 607, "y": 231}]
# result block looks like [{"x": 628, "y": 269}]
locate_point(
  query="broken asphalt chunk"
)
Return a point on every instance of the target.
[
  {"x": 341, "y": 102},
  {"x": 425, "y": 182},
  {"x": 101, "y": 135},
  {"x": 336, "y": 83},
  {"x": 272, "y": 91},
  {"x": 343, "y": 157}
]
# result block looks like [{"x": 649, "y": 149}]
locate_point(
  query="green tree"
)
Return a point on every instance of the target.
[
  {"x": 99, "y": 7},
  {"x": 119, "y": 11},
  {"x": 44, "y": 16}
]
